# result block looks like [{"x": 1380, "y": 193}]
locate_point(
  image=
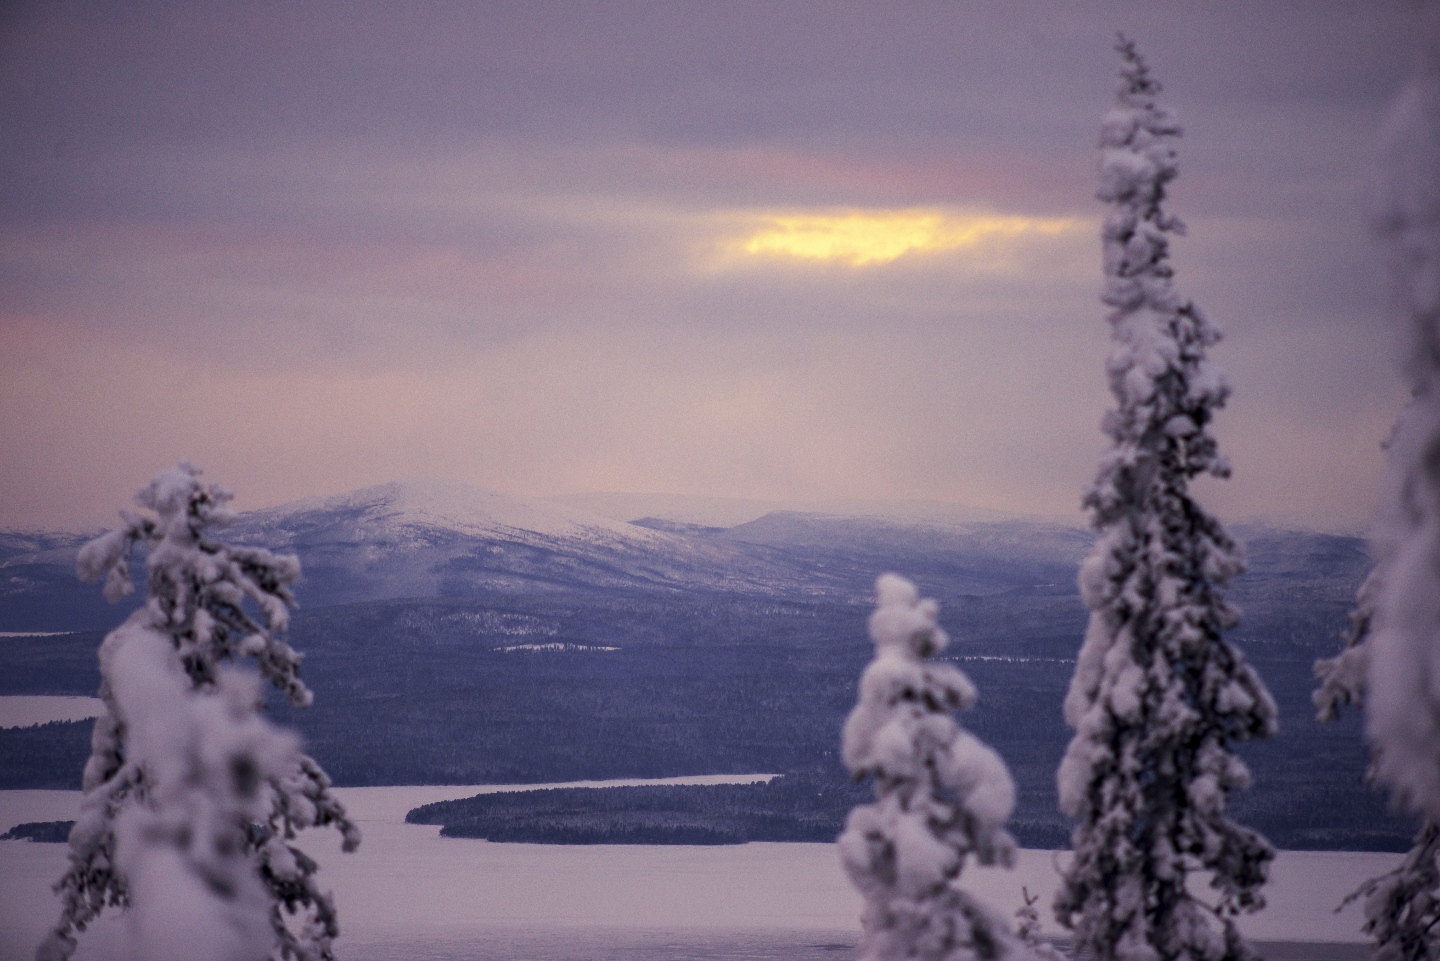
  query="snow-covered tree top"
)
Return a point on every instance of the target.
[
  {"x": 1136, "y": 156},
  {"x": 941, "y": 795},
  {"x": 1165, "y": 387},
  {"x": 203, "y": 591},
  {"x": 902, "y": 732}
]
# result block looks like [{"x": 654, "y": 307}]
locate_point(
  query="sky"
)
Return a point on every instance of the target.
[{"x": 790, "y": 251}]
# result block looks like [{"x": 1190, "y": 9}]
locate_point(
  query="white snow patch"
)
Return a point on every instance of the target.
[
  {"x": 407, "y": 886},
  {"x": 25, "y": 710},
  {"x": 464, "y": 507}
]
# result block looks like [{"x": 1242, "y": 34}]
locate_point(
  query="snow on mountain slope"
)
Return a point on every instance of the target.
[
  {"x": 400, "y": 510},
  {"x": 436, "y": 538},
  {"x": 701, "y": 511},
  {"x": 428, "y": 538},
  {"x": 443, "y": 539}
]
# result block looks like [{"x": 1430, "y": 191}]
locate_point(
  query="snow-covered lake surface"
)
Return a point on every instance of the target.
[
  {"x": 408, "y": 893},
  {"x": 23, "y": 711}
]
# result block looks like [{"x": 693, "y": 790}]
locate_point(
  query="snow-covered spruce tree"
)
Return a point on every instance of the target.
[
  {"x": 942, "y": 795},
  {"x": 1402, "y": 676},
  {"x": 1158, "y": 695},
  {"x": 191, "y": 799},
  {"x": 1391, "y": 661}
]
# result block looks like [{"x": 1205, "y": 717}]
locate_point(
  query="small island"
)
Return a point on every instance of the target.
[
  {"x": 801, "y": 806},
  {"x": 47, "y": 832}
]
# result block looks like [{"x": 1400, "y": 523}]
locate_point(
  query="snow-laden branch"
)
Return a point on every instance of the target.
[{"x": 1402, "y": 716}]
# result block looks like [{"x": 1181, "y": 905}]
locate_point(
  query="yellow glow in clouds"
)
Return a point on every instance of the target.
[{"x": 882, "y": 236}]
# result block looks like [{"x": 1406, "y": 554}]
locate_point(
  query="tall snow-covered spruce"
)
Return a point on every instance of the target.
[
  {"x": 191, "y": 798},
  {"x": 942, "y": 795},
  {"x": 1158, "y": 695},
  {"x": 1391, "y": 662}
]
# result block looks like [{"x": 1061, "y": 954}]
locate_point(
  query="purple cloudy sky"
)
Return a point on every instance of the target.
[{"x": 776, "y": 249}]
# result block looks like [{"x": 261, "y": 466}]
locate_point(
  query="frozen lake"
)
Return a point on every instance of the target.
[
  {"x": 25, "y": 710},
  {"x": 408, "y": 893}
]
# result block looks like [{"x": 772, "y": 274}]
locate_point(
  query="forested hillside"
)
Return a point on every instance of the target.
[{"x": 513, "y": 686}]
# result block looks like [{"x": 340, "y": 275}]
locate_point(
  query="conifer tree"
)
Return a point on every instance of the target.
[
  {"x": 1402, "y": 651},
  {"x": 942, "y": 796},
  {"x": 191, "y": 799},
  {"x": 1158, "y": 697},
  {"x": 1392, "y": 654},
  {"x": 1402, "y": 907}
]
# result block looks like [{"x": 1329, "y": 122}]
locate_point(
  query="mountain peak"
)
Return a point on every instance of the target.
[{"x": 453, "y": 505}]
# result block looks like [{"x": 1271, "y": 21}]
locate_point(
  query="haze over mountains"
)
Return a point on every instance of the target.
[{"x": 455, "y": 635}]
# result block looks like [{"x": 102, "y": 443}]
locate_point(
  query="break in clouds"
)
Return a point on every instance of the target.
[{"x": 815, "y": 251}]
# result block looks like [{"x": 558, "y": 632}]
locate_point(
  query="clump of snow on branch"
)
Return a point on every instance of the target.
[
  {"x": 192, "y": 799},
  {"x": 942, "y": 795},
  {"x": 1342, "y": 677},
  {"x": 1402, "y": 907},
  {"x": 1158, "y": 695}
]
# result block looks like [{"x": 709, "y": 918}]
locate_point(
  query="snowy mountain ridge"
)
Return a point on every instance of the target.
[
  {"x": 420, "y": 539},
  {"x": 396, "y": 510},
  {"x": 439, "y": 538}
]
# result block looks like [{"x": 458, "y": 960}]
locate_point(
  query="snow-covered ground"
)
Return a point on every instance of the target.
[
  {"x": 25, "y": 710},
  {"x": 410, "y": 893}
]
